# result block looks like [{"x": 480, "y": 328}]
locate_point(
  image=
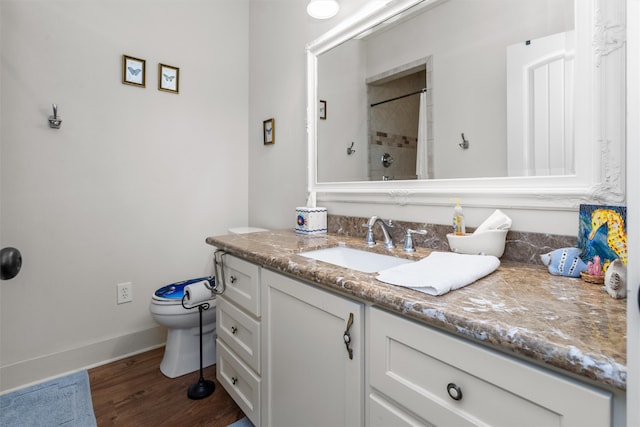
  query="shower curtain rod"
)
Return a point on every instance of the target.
[{"x": 424, "y": 89}]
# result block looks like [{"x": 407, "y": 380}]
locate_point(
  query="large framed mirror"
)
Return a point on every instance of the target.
[{"x": 507, "y": 103}]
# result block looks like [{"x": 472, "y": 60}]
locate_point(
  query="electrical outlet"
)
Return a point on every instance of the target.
[{"x": 125, "y": 292}]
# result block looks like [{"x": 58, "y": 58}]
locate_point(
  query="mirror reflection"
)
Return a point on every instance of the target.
[{"x": 455, "y": 89}]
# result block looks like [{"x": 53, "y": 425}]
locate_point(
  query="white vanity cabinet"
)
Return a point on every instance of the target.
[
  {"x": 293, "y": 354},
  {"x": 309, "y": 377},
  {"x": 420, "y": 376},
  {"x": 239, "y": 335}
]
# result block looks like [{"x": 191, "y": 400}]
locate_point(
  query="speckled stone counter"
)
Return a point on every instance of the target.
[{"x": 520, "y": 308}]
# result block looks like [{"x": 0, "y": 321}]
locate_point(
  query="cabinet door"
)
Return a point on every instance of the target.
[{"x": 309, "y": 378}]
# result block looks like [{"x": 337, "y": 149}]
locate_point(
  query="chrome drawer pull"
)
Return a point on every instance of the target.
[
  {"x": 454, "y": 391},
  {"x": 234, "y": 380},
  {"x": 233, "y": 279},
  {"x": 234, "y": 330}
]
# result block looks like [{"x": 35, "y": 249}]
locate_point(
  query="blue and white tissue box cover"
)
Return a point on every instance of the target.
[{"x": 311, "y": 220}]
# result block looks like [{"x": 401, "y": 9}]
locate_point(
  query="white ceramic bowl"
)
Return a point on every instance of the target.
[{"x": 490, "y": 242}]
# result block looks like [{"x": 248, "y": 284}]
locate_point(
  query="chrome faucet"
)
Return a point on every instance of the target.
[{"x": 370, "y": 241}]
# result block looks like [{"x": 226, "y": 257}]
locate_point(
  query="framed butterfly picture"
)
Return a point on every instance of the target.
[
  {"x": 269, "y": 131},
  {"x": 133, "y": 71},
  {"x": 168, "y": 78}
]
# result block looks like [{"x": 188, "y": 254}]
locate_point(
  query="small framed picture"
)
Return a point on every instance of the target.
[
  {"x": 269, "y": 131},
  {"x": 168, "y": 78},
  {"x": 133, "y": 71},
  {"x": 323, "y": 110}
]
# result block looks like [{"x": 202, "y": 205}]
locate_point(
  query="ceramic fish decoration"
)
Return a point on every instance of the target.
[
  {"x": 615, "y": 280},
  {"x": 564, "y": 262}
]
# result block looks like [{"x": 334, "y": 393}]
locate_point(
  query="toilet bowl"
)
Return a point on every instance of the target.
[{"x": 182, "y": 350}]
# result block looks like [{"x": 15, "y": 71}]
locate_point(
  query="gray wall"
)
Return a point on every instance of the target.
[{"x": 133, "y": 182}]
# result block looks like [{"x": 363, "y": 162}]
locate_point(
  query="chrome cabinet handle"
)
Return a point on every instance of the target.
[
  {"x": 233, "y": 279},
  {"x": 234, "y": 380},
  {"x": 347, "y": 336},
  {"x": 454, "y": 391},
  {"x": 234, "y": 330}
]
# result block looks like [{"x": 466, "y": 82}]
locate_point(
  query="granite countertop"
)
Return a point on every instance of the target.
[{"x": 520, "y": 308}]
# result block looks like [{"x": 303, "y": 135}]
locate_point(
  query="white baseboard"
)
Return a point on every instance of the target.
[{"x": 33, "y": 371}]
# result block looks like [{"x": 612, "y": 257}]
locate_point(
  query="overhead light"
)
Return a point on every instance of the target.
[{"x": 322, "y": 9}]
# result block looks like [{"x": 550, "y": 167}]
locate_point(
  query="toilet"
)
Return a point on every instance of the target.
[{"x": 182, "y": 350}]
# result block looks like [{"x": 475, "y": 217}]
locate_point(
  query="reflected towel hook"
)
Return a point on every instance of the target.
[
  {"x": 350, "y": 150},
  {"x": 465, "y": 142},
  {"x": 54, "y": 120}
]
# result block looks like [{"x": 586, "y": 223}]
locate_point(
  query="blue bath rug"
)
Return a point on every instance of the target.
[
  {"x": 64, "y": 401},
  {"x": 243, "y": 422}
]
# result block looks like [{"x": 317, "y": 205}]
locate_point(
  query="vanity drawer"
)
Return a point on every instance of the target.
[
  {"x": 383, "y": 413},
  {"x": 240, "y": 332},
  {"x": 417, "y": 365},
  {"x": 242, "y": 280},
  {"x": 239, "y": 381}
]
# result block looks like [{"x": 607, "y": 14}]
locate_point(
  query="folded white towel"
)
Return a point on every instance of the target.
[
  {"x": 440, "y": 272},
  {"x": 497, "y": 221}
]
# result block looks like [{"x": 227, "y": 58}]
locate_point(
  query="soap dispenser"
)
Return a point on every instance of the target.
[{"x": 458, "y": 219}]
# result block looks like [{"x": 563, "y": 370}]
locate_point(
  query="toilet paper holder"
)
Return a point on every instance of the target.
[
  {"x": 202, "y": 388},
  {"x": 197, "y": 292}
]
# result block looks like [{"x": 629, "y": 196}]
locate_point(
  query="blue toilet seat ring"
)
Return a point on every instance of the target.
[{"x": 175, "y": 291}]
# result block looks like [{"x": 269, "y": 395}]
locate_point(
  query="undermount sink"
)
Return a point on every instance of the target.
[{"x": 355, "y": 259}]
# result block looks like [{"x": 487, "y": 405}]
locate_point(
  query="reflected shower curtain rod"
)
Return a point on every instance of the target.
[{"x": 424, "y": 89}]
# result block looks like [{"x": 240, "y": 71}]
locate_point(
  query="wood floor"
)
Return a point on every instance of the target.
[{"x": 133, "y": 392}]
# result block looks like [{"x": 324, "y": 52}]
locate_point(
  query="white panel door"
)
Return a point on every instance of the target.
[{"x": 540, "y": 106}]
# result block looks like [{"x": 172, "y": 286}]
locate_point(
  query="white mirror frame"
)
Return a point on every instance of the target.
[{"x": 599, "y": 131}]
